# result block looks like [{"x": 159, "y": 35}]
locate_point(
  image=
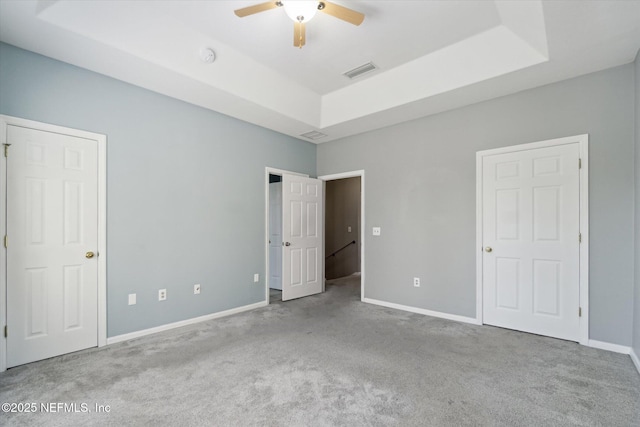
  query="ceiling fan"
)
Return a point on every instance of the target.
[{"x": 301, "y": 11}]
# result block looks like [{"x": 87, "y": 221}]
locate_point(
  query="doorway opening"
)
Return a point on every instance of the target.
[
  {"x": 274, "y": 229},
  {"x": 344, "y": 229}
]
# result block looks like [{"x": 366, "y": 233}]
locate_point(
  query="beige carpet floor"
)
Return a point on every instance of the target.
[{"x": 330, "y": 360}]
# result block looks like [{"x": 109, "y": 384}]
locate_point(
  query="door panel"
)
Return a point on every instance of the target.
[
  {"x": 36, "y": 308},
  {"x": 546, "y": 287},
  {"x": 296, "y": 268},
  {"x": 302, "y": 258},
  {"x": 508, "y": 286},
  {"x": 531, "y": 218},
  {"x": 52, "y": 222},
  {"x": 546, "y": 213}
]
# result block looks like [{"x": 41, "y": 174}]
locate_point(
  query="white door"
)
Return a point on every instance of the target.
[
  {"x": 303, "y": 252},
  {"x": 52, "y": 229},
  {"x": 530, "y": 202},
  {"x": 275, "y": 235}
]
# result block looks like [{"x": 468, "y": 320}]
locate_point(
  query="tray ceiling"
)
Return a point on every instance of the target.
[{"x": 431, "y": 55}]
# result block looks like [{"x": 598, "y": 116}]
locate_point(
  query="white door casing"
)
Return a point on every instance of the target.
[
  {"x": 302, "y": 235},
  {"x": 54, "y": 190},
  {"x": 275, "y": 235},
  {"x": 530, "y": 221}
]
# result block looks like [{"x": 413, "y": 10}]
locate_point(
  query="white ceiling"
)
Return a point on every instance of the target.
[{"x": 432, "y": 55}]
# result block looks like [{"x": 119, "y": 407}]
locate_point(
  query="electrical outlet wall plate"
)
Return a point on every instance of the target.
[
  {"x": 132, "y": 299},
  {"x": 162, "y": 294},
  {"x": 416, "y": 282},
  {"x": 376, "y": 231}
]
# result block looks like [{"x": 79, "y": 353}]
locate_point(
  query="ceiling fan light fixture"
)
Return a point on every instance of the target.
[{"x": 300, "y": 10}]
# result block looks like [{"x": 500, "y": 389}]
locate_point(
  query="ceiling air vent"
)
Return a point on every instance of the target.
[
  {"x": 358, "y": 71},
  {"x": 313, "y": 135}
]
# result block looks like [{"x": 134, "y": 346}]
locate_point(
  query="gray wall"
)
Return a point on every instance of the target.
[
  {"x": 342, "y": 207},
  {"x": 185, "y": 188},
  {"x": 420, "y": 189},
  {"x": 636, "y": 299},
  {"x": 186, "y": 191}
]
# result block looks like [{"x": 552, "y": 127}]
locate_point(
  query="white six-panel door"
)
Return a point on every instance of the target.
[
  {"x": 302, "y": 235},
  {"x": 530, "y": 229},
  {"x": 52, "y": 214}
]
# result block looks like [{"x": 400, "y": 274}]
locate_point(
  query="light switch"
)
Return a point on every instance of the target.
[
  {"x": 349, "y": 229},
  {"x": 132, "y": 299},
  {"x": 376, "y": 231}
]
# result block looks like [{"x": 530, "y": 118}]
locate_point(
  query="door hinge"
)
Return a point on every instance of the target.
[
  {"x": 579, "y": 311},
  {"x": 579, "y": 163},
  {"x": 6, "y": 150},
  {"x": 6, "y": 333},
  {"x": 6, "y": 241},
  {"x": 579, "y": 237}
]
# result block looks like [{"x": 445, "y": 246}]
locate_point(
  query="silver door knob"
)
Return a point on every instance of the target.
[
  {"x": 488, "y": 249},
  {"x": 287, "y": 244}
]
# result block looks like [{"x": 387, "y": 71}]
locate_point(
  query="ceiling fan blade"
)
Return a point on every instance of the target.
[
  {"x": 341, "y": 12},
  {"x": 256, "y": 8},
  {"x": 299, "y": 37}
]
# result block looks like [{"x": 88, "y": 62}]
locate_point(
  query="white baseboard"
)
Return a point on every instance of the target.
[
  {"x": 144, "y": 332},
  {"x": 635, "y": 359},
  {"x": 616, "y": 348},
  {"x": 441, "y": 315}
]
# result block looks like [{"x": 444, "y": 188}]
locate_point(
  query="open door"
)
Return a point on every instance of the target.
[{"x": 302, "y": 231}]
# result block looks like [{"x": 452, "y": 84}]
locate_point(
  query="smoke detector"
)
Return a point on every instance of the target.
[{"x": 207, "y": 55}]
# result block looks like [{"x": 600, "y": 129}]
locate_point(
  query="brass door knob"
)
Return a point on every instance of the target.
[
  {"x": 488, "y": 249},
  {"x": 89, "y": 254}
]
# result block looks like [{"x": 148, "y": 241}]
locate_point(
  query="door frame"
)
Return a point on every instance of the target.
[
  {"x": 343, "y": 175},
  {"x": 279, "y": 172},
  {"x": 101, "y": 140},
  {"x": 583, "y": 144}
]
